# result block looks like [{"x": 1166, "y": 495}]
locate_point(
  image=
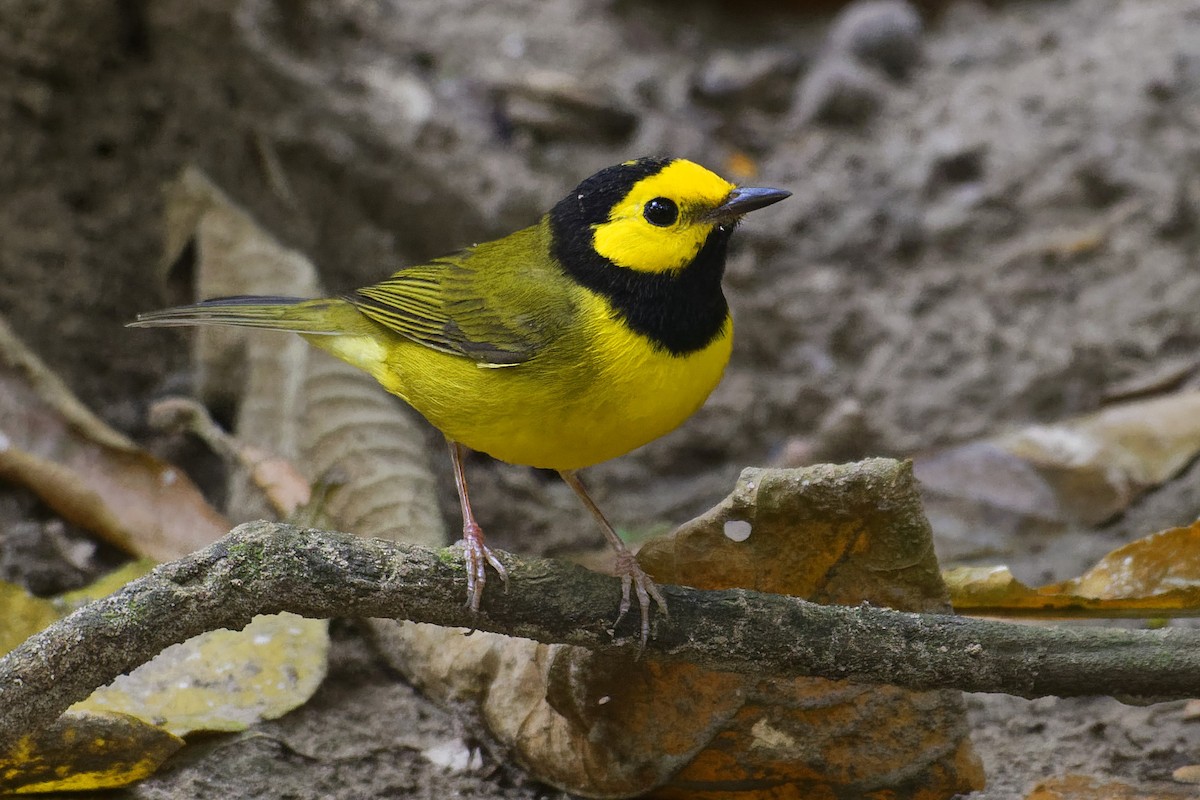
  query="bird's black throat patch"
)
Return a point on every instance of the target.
[{"x": 681, "y": 311}]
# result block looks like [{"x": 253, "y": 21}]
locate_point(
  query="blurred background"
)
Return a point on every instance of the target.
[{"x": 993, "y": 226}]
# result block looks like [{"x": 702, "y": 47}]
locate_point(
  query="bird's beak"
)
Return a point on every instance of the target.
[{"x": 743, "y": 200}]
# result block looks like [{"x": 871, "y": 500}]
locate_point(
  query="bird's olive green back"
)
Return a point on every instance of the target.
[{"x": 499, "y": 303}]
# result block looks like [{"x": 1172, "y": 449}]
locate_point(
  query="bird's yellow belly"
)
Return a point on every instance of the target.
[{"x": 602, "y": 395}]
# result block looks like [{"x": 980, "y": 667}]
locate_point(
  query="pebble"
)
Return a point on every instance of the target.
[
  {"x": 885, "y": 34},
  {"x": 554, "y": 105},
  {"x": 840, "y": 91},
  {"x": 870, "y": 42},
  {"x": 763, "y": 78}
]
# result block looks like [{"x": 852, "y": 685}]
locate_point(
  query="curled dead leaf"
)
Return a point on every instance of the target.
[
  {"x": 1086, "y": 787},
  {"x": 1083, "y": 470},
  {"x": 299, "y": 405},
  {"x": 836, "y": 535},
  {"x": 277, "y": 478},
  {"x": 1156, "y": 576},
  {"x": 88, "y": 473}
]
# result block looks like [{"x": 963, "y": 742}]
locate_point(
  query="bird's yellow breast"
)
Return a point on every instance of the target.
[{"x": 596, "y": 393}]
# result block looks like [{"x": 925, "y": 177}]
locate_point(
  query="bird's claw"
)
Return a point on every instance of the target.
[
  {"x": 635, "y": 580},
  {"x": 477, "y": 556}
]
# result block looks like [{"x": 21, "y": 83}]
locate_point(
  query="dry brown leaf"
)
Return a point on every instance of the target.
[
  {"x": 1156, "y": 576},
  {"x": 605, "y": 726},
  {"x": 232, "y": 255},
  {"x": 278, "y": 479},
  {"x": 835, "y": 535},
  {"x": 375, "y": 447},
  {"x": 1086, "y": 787},
  {"x": 1082, "y": 470},
  {"x": 85, "y": 751},
  {"x": 259, "y": 372},
  {"x": 88, "y": 473},
  {"x": 293, "y": 401}
]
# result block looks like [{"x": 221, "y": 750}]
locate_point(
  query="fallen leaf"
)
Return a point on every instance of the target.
[
  {"x": 1164, "y": 565},
  {"x": 22, "y": 614},
  {"x": 277, "y": 478},
  {"x": 1189, "y": 773},
  {"x": 1191, "y": 710},
  {"x": 1086, "y": 787},
  {"x": 607, "y": 726},
  {"x": 1156, "y": 576},
  {"x": 1163, "y": 375},
  {"x": 85, "y": 751},
  {"x": 221, "y": 251},
  {"x": 1079, "y": 471},
  {"x": 223, "y": 680},
  {"x": 295, "y": 402},
  {"x": 217, "y": 681},
  {"x": 833, "y": 535},
  {"x": 88, "y": 473}
]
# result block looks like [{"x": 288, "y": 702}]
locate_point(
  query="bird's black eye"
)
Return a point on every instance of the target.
[{"x": 661, "y": 212}]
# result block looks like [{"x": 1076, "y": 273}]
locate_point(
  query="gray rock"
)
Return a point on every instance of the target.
[{"x": 881, "y": 33}]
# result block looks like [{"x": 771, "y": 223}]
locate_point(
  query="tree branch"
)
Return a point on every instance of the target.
[{"x": 263, "y": 568}]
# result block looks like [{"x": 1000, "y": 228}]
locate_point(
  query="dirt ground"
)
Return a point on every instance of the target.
[{"x": 998, "y": 233}]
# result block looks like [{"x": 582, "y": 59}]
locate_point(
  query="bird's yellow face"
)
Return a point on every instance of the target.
[
  {"x": 660, "y": 224},
  {"x": 649, "y": 238}
]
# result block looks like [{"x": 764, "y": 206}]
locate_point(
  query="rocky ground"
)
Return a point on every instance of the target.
[{"x": 994, "y": 223}]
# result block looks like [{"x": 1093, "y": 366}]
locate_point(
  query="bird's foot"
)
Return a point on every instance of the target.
[
  {"x": 477, "y": 556},
  {"x": 634, "y": 580}
]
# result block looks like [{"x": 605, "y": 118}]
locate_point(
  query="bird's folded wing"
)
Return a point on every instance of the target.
[{"x": 449, "y": 306}]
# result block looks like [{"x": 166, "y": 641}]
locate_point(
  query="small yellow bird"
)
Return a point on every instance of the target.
[{"x": 576, "y": 340}]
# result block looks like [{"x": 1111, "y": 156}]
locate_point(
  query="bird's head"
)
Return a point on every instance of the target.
[{"x": 652, "y": 214}]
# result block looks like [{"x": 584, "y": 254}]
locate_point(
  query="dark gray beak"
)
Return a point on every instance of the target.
[{"x": 743, "y": 200}]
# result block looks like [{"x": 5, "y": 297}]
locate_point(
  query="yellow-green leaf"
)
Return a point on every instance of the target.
[
  {"x": 85, "y": 751},
  {"x": 223, "y": 680},
  {"x": 22, "y": 614}
]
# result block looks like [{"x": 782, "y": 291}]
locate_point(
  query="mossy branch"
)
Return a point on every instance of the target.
[{"x": 263, "y": 568}]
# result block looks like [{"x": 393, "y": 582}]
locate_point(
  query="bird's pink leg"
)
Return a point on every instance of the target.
[{"x": 476, "y": 554}]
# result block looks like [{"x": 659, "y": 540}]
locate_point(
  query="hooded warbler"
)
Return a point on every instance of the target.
[{"x": 596, "y": 330}]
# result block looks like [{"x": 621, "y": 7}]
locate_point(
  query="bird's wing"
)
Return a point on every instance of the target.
[{"x": 496, "y": 303}]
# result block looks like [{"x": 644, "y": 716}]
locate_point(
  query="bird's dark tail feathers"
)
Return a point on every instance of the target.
[{"x": 316, "y": 317}]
